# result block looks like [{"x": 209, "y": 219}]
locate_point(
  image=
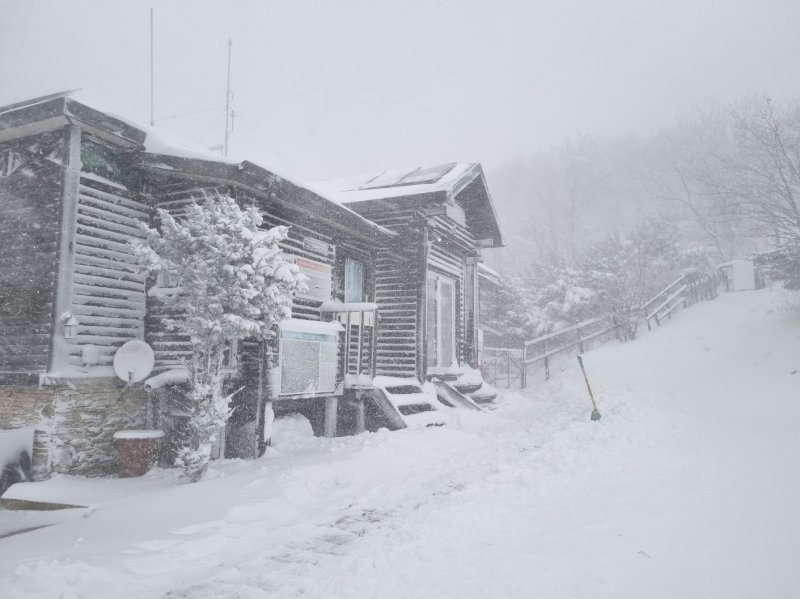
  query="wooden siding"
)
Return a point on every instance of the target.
[
  {"x": 399, "y": 281},
  {"x": 400, "y": 275},
  {"x": 30, "y": 191},
  {"x": 397, "y": 276},
  {"x": 108, "y": 291},
  {"x": 172, "y": 348}
]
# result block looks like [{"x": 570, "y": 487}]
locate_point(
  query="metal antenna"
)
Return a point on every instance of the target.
[
  {"x": 152, "y": 101},
  {"x": 228, "y": 117}
]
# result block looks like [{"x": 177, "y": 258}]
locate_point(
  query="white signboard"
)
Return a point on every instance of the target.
[{"x": 319, "y": 278}]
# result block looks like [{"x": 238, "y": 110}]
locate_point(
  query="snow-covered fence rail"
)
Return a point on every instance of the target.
[
  {"x": 502, "y": 366},
  {"x": 580, "y": 336},
  {"x": 683, "y": 291}
]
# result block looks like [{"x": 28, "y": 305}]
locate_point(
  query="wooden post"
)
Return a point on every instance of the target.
[
  {"x": 546, "y": 361},
  {"x": 59, "y": 355},
  {"x": 331, "y": 404},
  {"x": 523, "y": 376},
  {"x": 508, "y": 369},
  {"x": 373, "y": 345},
  {"x": 360, "y": 414},
  {"x": 347, "y": 344},
  {"x": 360, "y": 341},
  {"x": 580, "y": 340}
]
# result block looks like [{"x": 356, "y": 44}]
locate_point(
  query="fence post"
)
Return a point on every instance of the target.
[
  {"x": 523, "y": 375},
  {"x": 508, "y": 369},
  {"x": 546, "y": 361},
  {"x": 580, "y": 340}
]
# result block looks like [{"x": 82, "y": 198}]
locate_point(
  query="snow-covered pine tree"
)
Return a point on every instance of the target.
[{"x": 234, "y": 284}]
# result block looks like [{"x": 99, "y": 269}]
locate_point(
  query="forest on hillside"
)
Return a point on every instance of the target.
[{"x": 597, "y": 226}]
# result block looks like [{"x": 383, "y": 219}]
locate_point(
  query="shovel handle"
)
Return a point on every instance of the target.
[{"x": 586, "y": 378}]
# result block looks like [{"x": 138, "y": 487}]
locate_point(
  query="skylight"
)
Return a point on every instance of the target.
[{"x": 417, "y": 176}]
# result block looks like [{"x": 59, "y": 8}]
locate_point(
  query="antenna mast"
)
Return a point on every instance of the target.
[
  {"x": 228, "y": 115},
  {"x": 152, "y": 101}
]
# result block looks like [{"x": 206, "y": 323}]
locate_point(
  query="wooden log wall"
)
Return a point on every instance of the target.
[
  {"x": 108, "y": 289},
  {"x": 30, "y": 200},
  {"x": 399, "y": 281},
  {"x": 400, "y": 285},
  {"x": 172, "y": 348}
]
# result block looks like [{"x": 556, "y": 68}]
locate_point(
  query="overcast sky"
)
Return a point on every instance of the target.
[{"x": 332, "y": 88}]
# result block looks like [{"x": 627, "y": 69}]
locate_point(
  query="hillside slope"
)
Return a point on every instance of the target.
[{"x": 687, "y": 487}]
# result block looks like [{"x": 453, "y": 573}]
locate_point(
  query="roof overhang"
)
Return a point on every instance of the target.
[
  {"x": 262, "y": 183},
  {"x": 51, "y": 113},
  {"x": 470, "y": 191}
]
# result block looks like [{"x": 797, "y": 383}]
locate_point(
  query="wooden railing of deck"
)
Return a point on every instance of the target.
[{"x": 360, "y": 335}]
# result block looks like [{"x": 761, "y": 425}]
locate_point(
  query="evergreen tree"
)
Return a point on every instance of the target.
[{"x": 234, "y": 284}]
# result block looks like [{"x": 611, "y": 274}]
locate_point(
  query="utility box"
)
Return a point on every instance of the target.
[
  {"x": 308, "y": 359},
  {"x": 739, "y": 274}
]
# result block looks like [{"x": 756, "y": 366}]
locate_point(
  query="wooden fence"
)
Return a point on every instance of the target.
[
  {"x": 684, "y": 291},
  {"x": 580, "y": 336}
]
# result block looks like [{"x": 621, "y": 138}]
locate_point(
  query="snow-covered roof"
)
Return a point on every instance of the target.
[
  {"x": 166, "y": 152},
  {"x": 488, "y": 273},
  {"x": 441, "y": 182},
  {"x": 397, "y": 182}
]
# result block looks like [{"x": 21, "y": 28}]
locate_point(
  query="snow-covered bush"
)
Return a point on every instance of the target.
[
  {"x": 234, "y": 284},
  {"x": 614, "y": 276}
]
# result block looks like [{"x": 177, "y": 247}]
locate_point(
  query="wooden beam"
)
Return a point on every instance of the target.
[{"x": 59, "y": 354}]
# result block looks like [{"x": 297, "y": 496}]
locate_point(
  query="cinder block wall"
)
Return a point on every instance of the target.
[{"x": 75, "y": 423}]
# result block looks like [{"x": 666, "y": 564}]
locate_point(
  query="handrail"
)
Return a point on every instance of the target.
[
  {"x": 579, "y": 341},
  {"x": 662, "y": 292},
  {"x": 574, "y": 327},
  {"x": 690, "y": 289},
  {"x": 355, "y": 315},
  {"x": 667, "y": 302}
]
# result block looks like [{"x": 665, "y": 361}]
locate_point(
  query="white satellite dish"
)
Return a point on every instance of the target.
[{"x": 134, "y": 361}]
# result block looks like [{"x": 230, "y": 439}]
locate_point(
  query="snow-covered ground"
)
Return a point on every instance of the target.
[{"x": 687, "y": 487}]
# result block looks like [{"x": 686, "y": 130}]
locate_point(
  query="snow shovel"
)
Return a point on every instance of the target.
[{"x": 595, "y": 413}]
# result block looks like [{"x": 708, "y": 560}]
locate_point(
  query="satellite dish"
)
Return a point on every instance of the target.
[{"x": 134, "y": 361}]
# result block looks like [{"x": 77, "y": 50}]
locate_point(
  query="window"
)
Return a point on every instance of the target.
[
  {"x": 440, "y": 321},
  {"x": 353, "y": 281}
]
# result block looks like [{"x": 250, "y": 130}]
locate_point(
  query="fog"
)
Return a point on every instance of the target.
[{"x": 327, "y": 89}]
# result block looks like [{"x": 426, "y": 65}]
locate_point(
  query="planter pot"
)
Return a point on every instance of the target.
[{"x": 137, "y": 451}]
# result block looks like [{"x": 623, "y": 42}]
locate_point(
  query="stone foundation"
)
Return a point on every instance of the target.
[{"x": 74, "y": 422}]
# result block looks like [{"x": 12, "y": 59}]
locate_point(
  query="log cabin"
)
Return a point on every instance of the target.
[{"x": 392, "y": 301}]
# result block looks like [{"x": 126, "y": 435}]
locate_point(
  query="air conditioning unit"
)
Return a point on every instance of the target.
[{"x": 309, "y": 358}]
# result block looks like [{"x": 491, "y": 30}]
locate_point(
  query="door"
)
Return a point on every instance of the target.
[{"x": 440, "y": 321}]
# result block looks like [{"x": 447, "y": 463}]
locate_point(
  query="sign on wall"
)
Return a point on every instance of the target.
[{"x": 319, "y": 278}]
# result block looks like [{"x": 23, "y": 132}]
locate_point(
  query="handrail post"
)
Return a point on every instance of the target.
[
  {"x": 360, "y": 341},
  {"x": 546, "y": 361},
  {"x": 373, "y": 345},
  {"x": 347, "y": 345},
  {"x": 523, "y": 378},
  {"x": 495, "y": 367}
]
